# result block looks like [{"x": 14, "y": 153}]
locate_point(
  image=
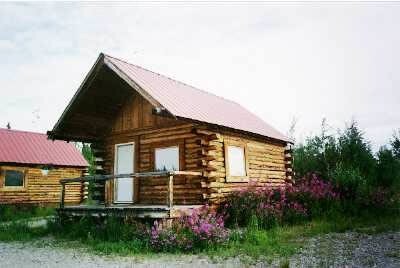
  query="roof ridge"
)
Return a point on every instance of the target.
[
  {"x": 23, "y": 131},
  {"x": 174, "y": 80}
]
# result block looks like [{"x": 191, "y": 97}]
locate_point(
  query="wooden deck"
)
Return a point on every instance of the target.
[
  {"x": 169, "y": 210},
  {"x": 136, "y": 211}
]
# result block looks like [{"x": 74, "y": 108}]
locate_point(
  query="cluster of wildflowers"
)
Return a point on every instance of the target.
[
  {"x": 272, "y": 205},
  {"x": 315, "y": 187},
  {"x": 203, "y": 226},
  {"x": 206, "y": 225},
  {"x": 163, "y": 237}
]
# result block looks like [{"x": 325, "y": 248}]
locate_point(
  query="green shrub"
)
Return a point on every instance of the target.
[
  {"x": 111, "y": 230},
  {"x": 346, "y": 159},
  {"x": 350, "y": 181},
  {"x": 21, "y": 232},
  {"x": 395, "y": 144},
  {"x": 388, "y": 169},
  {"x": 18, "y": 212}
]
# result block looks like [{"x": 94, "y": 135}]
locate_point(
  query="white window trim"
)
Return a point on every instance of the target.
[{"x": 235, "y": 178}]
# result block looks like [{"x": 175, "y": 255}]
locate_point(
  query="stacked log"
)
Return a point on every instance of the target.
[
  {"x": 265, "y": 160},
  {"x": 98, "y": 188},
  {"x": 85, "y": 186},
  {"x": 186, "y": 190},
  {"x": 41, "y": 188},
  {"x": 212, "y": 160},
  {"x": 289, "y": 163}
]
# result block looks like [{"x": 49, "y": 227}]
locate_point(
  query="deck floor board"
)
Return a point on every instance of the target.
[{"x": 125, "y": 210}]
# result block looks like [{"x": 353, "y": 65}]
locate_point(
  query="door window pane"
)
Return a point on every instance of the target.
[
  {"x": 14, "y": 178},
  {"x": 167, "y": 158},
  {"x": 124, "y": 165},
  {"x": 236, "y": 161}
]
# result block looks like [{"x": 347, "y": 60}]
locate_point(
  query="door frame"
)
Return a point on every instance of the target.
[{"x": 133, "y": 171}]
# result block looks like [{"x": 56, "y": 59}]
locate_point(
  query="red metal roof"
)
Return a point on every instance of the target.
[
  {"x": 185, "y": 101},
  {"x": 34, "y": 148}
]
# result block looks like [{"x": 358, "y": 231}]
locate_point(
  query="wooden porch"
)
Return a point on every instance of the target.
[{"x": 135, "y": 210}]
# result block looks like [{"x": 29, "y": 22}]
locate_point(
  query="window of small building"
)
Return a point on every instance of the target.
[
  {"x": 14, "y": 178},
  {"x": 236, "y": 162},
  {"x": 166, "y": 158}
]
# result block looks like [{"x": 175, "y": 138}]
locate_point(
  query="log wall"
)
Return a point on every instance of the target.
[
  {"x": 40, "y": 189},
  {"x": 187, "y": 190},
  {"x": 201, "y": 149},
  {"x": 265, "y": 165}
]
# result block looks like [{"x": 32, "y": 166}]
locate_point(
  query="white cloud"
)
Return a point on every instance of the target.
[{"x": 306, "y": 60}]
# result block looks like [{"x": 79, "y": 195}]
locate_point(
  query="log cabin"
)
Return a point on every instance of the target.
[
  {"x": 31, "y": 167},
  {"x": 177, "y": 145}
]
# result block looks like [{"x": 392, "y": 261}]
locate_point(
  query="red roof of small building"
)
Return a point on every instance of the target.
[
  {"x": 185, "y": 101},
  {"x": 24, "y": 147}
]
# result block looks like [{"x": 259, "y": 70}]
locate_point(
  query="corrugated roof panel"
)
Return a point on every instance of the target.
[
  {"x": 185, "y": 101},
  {"x": 34, "y": 148}
]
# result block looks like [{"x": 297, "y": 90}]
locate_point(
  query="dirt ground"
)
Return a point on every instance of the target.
[{"x": 333, "y": 250}]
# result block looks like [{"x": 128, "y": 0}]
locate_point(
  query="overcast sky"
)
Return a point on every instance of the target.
[{"x": 281, "y": 61}]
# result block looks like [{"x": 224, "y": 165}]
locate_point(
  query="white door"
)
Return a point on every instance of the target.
[{"x": 124, "y": 164}]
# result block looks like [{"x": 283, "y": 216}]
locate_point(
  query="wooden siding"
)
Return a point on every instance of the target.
[
  {"x": 39, "y": 188},
  {"x": 137, "y": 113},
  {"x": 187, "y": 190},
  {"x": 201, "y": 149},
  {"x": 137, "y": 123},
  {"x": 265, "y": 165}
]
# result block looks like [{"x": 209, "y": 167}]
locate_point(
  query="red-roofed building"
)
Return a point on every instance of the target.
[
  {"x": 139, "y": 121},
  {"x": 32, "y": 165}
]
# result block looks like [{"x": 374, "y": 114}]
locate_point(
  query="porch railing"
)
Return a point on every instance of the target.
[{"x": 103, "y": 178}]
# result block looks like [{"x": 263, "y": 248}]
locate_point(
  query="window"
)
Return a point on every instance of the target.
[
  {"x": 236, "y": 164},
  {"x": 13, "y": 178},
  {"x": 236, "y": 161},
  {"x": 167, "y": 158}
]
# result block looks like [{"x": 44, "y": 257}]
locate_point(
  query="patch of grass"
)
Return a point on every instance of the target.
[
  {"x": 393, "y": 254},
  {"x": 14, "y": 212},
  {"x": 283, "y": 241},
  {"x": 284, "y": 264},
  {"x": 21, "y": 232},
  {"x": 111, "y": 236},
  {"x": 251, "y": 243}
]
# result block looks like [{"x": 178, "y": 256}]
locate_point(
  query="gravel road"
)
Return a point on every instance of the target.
[{"x": 333, "y": 250}]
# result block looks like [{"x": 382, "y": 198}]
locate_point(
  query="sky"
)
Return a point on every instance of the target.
[{"x": 285, "y": 62}]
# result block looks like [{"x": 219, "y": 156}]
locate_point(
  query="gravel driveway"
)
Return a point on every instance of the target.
[
  {"x": 333, "y": 250},
  {"x": 24, "y": 255},
  {"x": 350, "y": 249}
]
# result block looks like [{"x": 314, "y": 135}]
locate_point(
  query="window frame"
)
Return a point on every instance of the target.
[
  {"x": 163, "y": 148},
  {"x": 240, "y": 144},
  {"x": 163, "y": 145},
  {"x": 3, "y": 186}
]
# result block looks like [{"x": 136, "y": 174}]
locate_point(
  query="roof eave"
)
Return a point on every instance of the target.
[
  {"x": 52, "y": 135},
  {"x": 240, "y": 131},
  {"x": 136, "y": 87},
  {"x": 91, "y": 74},
  {"x": 43, "y": 164},
  {"x": 102, "y": 60}
]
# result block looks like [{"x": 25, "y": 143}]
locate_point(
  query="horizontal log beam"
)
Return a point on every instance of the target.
[{"x": 132, "y": 175}]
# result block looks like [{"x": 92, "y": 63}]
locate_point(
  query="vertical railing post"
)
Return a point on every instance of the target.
[
  {"x": 170, "y": 190},
  {"x": 62, "y": 195}
]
